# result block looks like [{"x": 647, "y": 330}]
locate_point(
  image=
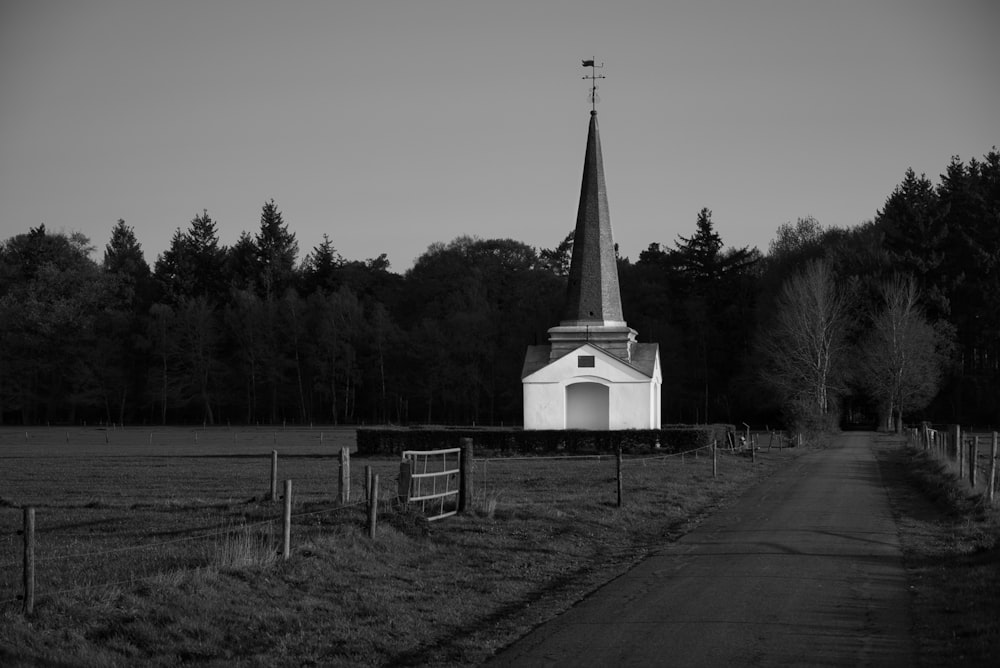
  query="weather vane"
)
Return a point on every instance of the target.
[{"x": 592, "y": 97}]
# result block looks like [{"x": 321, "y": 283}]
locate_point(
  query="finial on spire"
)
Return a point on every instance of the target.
[{"x": 592, "y": 97}]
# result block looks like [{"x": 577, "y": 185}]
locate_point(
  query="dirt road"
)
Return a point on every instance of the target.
[{"x": 805, "y": 569}]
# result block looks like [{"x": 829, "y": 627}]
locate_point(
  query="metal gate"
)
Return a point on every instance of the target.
[{"x": 434, "y": 477}]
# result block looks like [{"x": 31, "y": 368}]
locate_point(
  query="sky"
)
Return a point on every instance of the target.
[{"x": 392, "y": 125}]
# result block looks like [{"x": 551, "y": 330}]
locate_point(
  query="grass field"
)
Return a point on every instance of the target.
[
  {"x": 951, "y": 544},
  {"x": 158, "y": 547}
]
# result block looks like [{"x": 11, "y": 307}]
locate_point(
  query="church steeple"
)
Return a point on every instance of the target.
[
  {"x": 593, "y": 373},
  {"x": 593, "y": 310},
  {"x": 593, "y": 296}
]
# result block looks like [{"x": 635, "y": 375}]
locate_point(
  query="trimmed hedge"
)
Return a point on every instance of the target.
[{"x": 671, "y": 438}]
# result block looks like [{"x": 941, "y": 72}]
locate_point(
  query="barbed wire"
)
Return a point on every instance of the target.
[
  {"x": 535, "y": 459},
  {"x": 202, "y": 536},
  {"x": 146, "y": 546},
  {"x": 346, "y": 506},
  {"x": 626, "y": 459},
  {"x": 633, "y": 460},
  {"x": 220, "y": 532}
]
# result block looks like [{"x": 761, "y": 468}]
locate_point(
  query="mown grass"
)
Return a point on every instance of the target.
[
  {"x": 951, "y": 543},
  {"x": 542, "y": 535}
]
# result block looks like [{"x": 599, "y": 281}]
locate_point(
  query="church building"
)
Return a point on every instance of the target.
[{"x": 592, "y": 374}]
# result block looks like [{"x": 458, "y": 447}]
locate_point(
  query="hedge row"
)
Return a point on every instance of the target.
[{"x": 674, "y": 438}]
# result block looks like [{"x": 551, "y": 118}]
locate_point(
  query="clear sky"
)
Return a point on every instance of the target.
[{"x": 394, "y": 125}]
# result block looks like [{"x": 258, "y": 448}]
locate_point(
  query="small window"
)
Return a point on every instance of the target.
[{"x": 585, "y": 361}]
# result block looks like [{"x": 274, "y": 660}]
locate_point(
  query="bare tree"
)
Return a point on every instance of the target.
[
  {"x": 804, "y": 348},
  {"x": 902, "y": 355}
]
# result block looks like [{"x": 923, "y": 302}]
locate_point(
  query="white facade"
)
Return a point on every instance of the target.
[{"x": 590, "y": 388}]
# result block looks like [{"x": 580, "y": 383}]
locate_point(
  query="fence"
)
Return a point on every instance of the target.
[
  {"x": 54, "y": 566},
  {"x": 120, "y": 520},
  {"x": 75, "y": 547},
  {"x": 971, "y": 456},
  {"x": 514, "y": 484}
]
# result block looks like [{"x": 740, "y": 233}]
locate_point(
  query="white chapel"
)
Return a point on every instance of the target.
[{"x": 592, "y": 374}]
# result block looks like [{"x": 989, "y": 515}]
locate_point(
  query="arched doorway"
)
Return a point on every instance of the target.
[{"x": 587, "y": 406}]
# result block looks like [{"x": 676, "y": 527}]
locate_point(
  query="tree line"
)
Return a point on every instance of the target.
[{"x": 895, "y": 319}]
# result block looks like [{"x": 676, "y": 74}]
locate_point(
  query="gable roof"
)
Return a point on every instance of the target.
[{"x": 645, "y": 357}]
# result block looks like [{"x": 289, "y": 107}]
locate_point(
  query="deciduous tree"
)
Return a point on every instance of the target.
[
  {"x": 902, "y": 356},
  {"x": 804, "y": 347}
]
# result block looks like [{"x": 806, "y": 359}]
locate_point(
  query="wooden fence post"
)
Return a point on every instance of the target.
[
  {"x": 403, "y": 490},
  {"x": 373, "y": 507},
  {"x": 715, "y": 458},
  {"x": 344, "y": 489},
  {"x": 993, "y": 470},
  {"x": 286, "y": 549},
  {"x": 619, "y": 476},
  {"x": 273, "y": 493},
  {"x": 465, "y": 476},
  {"x": 29, "y": 560},
  {"x": 957, "y": 435},
  {"x": 973, "y": 455},
  {"x": 368, "y": 483}
]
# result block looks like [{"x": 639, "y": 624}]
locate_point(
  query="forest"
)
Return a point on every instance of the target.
[{"x": 894, "y": 320}]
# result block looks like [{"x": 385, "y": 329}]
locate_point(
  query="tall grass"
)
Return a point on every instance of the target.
[
  {"x": 951, "y": 543},
  {"x": 246, "y": 546}
]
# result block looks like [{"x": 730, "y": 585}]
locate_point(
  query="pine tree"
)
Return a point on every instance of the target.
[
  {"x": 172, "y": 271},
  {"x": 699, "y": 253},
  {"x": 123, "y": 254},
  {"x": 321, "y": 269},
  {"x": 916, "y": 236},
  {"x": 241, "y": 261},
  {"x": 276, "y": 252},
  {"x": 206, "y": 258}
]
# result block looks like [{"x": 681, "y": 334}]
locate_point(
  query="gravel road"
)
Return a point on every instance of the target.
[{"x": 805, "y": 569}]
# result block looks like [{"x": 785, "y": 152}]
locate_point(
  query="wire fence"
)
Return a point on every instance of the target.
[
  {"x": 123, "y": 520},
  {"x": 972, "y": 456},
  {"x": 520, "y": 483},
  {"x": 136, "y": 519}
]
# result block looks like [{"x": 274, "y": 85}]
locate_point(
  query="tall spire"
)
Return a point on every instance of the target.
[{"x": 593, "y": 296}]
